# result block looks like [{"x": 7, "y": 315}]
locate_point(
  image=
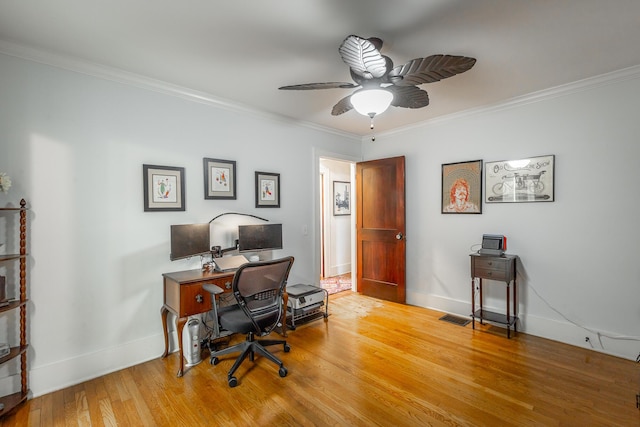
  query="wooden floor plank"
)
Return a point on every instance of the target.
[{"x": 372, "y": 363}]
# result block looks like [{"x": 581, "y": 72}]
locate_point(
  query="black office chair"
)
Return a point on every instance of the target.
[{"x": 258, "y": 289}]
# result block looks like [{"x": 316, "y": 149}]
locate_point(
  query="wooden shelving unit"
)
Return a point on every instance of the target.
[{"x": 10, "y": 401}]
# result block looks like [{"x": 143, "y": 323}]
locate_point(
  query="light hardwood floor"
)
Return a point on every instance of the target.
[{"x": 373, "y": 363}]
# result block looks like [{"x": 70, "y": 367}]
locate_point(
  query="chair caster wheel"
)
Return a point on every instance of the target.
[
  {"x": 287, "y": 348},
  {"x": 233, "y": 381},
  {"x": 283, "y": 371},
  {"x": 214, "y": 360}
]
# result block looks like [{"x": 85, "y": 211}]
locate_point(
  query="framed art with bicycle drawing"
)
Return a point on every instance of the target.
[{"x": 524, "y": 180}]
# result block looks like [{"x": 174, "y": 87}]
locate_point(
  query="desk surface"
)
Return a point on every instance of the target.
[
  {"x": 197, "y": 275},
  {"x": 503, "y": 256}
]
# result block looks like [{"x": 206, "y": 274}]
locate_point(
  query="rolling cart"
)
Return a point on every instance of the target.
[{"x": 306, "y": 303}]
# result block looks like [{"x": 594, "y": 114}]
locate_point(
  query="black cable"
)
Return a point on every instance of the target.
[{"x": 237, "y": 213}]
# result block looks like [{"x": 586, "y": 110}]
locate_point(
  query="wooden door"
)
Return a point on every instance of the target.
[{"x": 380, "y": 228}]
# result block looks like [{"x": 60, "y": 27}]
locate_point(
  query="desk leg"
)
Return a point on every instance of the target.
[
  {"x": 508, "y": 317},
  {"x": 473, "y": 303},
  {"x": 480, "y": 301},
  {"x": 515, "y": 307},
  {"x": 163, "y": 315},
  {"x": 180, "y": 325}
]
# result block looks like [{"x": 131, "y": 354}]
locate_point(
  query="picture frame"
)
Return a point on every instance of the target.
[
  {"x": 462, "y": 187},
  {"x": 219, "y": 179},
  {"x": 530, "y": 179},
  {"x": 267, "y": 190},
  {"x": 163, "y": 188},
  {"x": 341, "y": 198}
]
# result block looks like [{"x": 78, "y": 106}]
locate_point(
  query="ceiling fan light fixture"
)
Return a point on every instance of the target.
[{"x": 371, "y": 102}]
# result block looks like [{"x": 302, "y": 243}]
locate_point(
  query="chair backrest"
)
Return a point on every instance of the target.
[{"x": 258, "y": 289}]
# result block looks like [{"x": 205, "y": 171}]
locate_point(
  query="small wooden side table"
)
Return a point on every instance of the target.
[{"x": 501, "y": 269}]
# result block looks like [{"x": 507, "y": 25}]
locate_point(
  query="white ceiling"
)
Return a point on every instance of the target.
[{"x": 240, "y": 52}]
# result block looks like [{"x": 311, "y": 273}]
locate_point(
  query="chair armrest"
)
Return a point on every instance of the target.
[{"x": 212, "y": 289}]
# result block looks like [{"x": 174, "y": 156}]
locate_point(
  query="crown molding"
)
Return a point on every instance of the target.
[
  {"x": 136, "y": 80},
  {"x": 143, "y": 82},
  {"x": 630, "y": 73}
]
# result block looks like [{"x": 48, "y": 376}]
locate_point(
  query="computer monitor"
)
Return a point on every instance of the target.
[
  {"x": 189, "y": 240},
  {"x": 259, "y": 237}
]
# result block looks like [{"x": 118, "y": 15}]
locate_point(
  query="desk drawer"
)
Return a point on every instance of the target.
[
  {"x": 224, "y": 283},
  {"x": 484, "y": 273},
  {"x": 494, "y": 268},
  {"x": 491, "y": 263},
  {"x": 194, "y": 300}
]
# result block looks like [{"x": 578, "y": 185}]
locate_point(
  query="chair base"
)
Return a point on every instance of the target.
[{"x": 249, "y": 348}]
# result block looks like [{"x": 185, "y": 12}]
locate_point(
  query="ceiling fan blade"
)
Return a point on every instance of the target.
[
  {"x": 408, "y": 96},
  {"x": 377, "y": 42},
  {"x": 311, "y": 86},
  {"x": 430, "y": 69},
  {"x": 363, "y": 58},
  {"x": 342, "y": 106}
]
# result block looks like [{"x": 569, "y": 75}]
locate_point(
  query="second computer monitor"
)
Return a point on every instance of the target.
[{"x": 259, "y": 237}]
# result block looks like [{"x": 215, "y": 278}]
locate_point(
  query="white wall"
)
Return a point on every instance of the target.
[
  {"x": 579, "y": 253},
  {"x": 74, "y": 146}
]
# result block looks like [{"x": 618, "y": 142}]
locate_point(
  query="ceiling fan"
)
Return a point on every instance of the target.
[{"x": 375, "y": 76}]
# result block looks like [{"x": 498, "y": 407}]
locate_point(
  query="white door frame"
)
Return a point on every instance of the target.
[{"x": 317, "y": 221}]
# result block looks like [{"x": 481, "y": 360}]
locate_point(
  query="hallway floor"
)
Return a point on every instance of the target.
[{"x": 336, "y": 284}]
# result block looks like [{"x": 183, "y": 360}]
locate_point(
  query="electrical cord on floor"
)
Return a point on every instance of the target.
[
  {"x": 476, "y": 292},
  {"x": 600, "y": 335},
  {"x": 204, "y": 318}
]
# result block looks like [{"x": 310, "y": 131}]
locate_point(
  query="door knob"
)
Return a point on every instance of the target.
[{"x": 399, "y": 236}]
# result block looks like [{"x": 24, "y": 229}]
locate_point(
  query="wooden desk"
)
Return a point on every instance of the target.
[{"x": 184, "y": 297}]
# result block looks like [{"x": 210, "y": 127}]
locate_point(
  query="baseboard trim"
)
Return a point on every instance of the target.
[
  {"x": 561, "y": 331},
  {"x": 56, "y": 376}
]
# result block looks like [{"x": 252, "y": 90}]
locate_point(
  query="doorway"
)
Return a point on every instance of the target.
[{"x": 336, "y": 204}]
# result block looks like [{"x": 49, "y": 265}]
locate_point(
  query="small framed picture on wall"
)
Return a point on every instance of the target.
[
  {"x": 219, "y": 179},
  {"x": 163, "y": 188},
  {"x": 341, "y": 198},
  {"x": 267, "y": 190}
]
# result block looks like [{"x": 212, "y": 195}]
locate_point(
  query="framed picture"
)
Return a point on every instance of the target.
[
  {"x": 523, "y": 180},
  {"x": 267, "y": 190},
  {"x": 462, "y": 187},
  {"x": 219, "y": 179},
  {"x": 163, "y": 188},
  {"x": 341, "y": 198}
]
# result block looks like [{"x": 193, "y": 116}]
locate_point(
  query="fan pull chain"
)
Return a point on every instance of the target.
[{"x": 372, "y": 115}]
